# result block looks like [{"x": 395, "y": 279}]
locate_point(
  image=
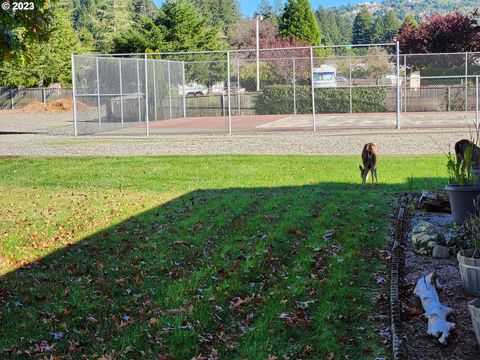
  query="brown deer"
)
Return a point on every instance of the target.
[
  {"x": 460, "y": 149},
  {"x": 369, "y": 159}
]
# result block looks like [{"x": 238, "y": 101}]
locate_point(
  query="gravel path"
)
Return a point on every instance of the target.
[
  {"x": 50, "y": 134},
  {"x": 332, "y": 143}
]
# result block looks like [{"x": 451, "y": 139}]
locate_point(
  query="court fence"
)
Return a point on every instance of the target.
[{"x": 301, "y": 88}]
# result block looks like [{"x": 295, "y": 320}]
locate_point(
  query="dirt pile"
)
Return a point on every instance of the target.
[{"x": 61, "y": 105}]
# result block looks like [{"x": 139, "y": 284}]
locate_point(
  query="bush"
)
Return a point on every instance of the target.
[{"x": 278, "y": 99}]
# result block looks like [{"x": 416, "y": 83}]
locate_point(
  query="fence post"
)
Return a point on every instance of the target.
[
  {"x": 146, "y": 95},
  {"x": 11, "y": 99},
  {"x": 184, "y": 95},
  {"x": 448, "y": 98},
  {"x": 228, "y": 92},
  {"x": 238, "y": 86},
  {"x": 74, "y": 95},
  {"x": 405, "y": 85},
  {"x": 313, "y": 90},
  {"x": 350, "y": 83},
  {"x": 154, "y": 62},
  {"x": 397, "y": 52},
  {"x": 98, "y": 97},
  {"x": 294, "y": 88},
  {"x": 121, "y": 89},
  {"x": 476, "y": 102},
  {"x": 139, "y": 93},
  {"x": 169, "y": 91},
  {"x": 44, "y": 99},
  {"x": 466, "y": 81}
]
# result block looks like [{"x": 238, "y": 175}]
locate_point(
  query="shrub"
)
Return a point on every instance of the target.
[{"x": 278, "y": 99}]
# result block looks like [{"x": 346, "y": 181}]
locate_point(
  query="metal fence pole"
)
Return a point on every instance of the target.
[
  {"x": 405, "y": 85},
  {"x": 138, "y": 94},
  {"x": 44, "y": 98},
  {"x": 169, "y": 91},
  {"x": 466, "y": 81},
  {"x": 183, "y": 84},
  {"x": 74, "y": 95},
  {"x": 238, "y": 86},
  {"x": 121, "y": 89},
  {"x": 98, "y": 97},
  {"x": 397, "y": 53},
  {"x": 476, "y": 102},
  {"x": 294, "y": 88},
  {"x": 146, "y": 96},
  {"x": 228, "y": 92},
  {"x": 448, "y": 98},
  {"x": 154, "y": 89},
  {"x": 313, "y": 90},
  {"x": 350, "y": 83}
]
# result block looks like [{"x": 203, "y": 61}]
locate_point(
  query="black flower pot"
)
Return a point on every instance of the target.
[{"x": 461, "y": 201}]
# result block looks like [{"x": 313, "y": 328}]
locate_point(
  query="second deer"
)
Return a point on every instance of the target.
[{"x": 369, "y": 159}]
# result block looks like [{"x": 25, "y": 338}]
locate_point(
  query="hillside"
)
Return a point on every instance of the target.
[{"x": 417, "y": 8}]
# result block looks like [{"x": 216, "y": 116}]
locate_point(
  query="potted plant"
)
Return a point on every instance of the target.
[
  {"x": 469, "y": 259},
  {"x": 463, "y": 187}
]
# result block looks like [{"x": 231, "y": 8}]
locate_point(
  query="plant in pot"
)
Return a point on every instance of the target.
[
  {"x": 469, "y": 263},
  {"x": 463, "y": 187}
]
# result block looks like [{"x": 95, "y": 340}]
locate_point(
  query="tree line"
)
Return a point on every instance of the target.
[{"x": 35, "y": 49}]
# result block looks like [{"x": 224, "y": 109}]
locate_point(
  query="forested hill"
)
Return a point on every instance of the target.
[{"x": 413, "y": 7}]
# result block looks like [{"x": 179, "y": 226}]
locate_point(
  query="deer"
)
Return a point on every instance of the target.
[
  {"x": 461, "y": 148},
  {"x": 369, "y": 159}
]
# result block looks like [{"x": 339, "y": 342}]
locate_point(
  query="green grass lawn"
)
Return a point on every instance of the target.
[{"x": 232, "y": 257}]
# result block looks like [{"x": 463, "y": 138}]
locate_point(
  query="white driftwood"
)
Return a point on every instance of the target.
[{"x": 435, "y": 312}]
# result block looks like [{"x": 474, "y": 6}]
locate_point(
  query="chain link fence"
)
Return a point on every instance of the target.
[
  {"x": 302, "y": 88},
  {"x": 18, "y": 98}
]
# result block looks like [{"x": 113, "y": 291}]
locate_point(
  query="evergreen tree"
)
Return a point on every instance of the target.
[
  {"x": 335, "y": 29},
  {"x": 185, "y": 29},
  {"x": 143, "y": 35},
  {"x": 298, "y": 22},
  {"x": 144, "y": 8},
  {"x": 362, "y": 27},
  {"x": 378, "y": 30},
  {"x": 391, "y": 24},
  {"x": 410, "y": 19},
  {"x": 223, "y": 13}
]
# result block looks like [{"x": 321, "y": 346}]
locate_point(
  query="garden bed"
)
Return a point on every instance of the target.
[{"x": 412, "y": 329}]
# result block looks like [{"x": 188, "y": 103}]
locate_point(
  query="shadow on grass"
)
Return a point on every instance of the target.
[{"x": 236, "y": 273}]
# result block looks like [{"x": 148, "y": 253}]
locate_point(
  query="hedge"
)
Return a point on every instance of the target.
[{"x": 278, "y": 99}]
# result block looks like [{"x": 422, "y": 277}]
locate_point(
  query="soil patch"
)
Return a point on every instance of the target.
[
  {"x": 61, "y": 105},
  {"x": 416, "y": 344}
]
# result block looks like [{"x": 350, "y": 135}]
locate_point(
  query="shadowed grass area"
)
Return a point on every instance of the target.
[{"x": 175, "y": 257}]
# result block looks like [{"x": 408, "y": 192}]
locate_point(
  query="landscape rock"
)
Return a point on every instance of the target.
[
  {"x": 441, "y": 252},
  {"x": 424, "y": 237}
]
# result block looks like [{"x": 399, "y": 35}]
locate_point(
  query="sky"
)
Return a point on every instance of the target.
[{"x": 249, "y": 6}]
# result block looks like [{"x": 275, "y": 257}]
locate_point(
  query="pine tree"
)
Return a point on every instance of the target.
[
  {"x": 298, "y": 22},
  {"x": 391, "y": 24},
  {"x": 362, "y": 27},
  {"x": 378, "y": 30},
  {"x": 410, "y": 19},
  {"x": 185, "y": 29},
  {"x": 222, "y": 13}
]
